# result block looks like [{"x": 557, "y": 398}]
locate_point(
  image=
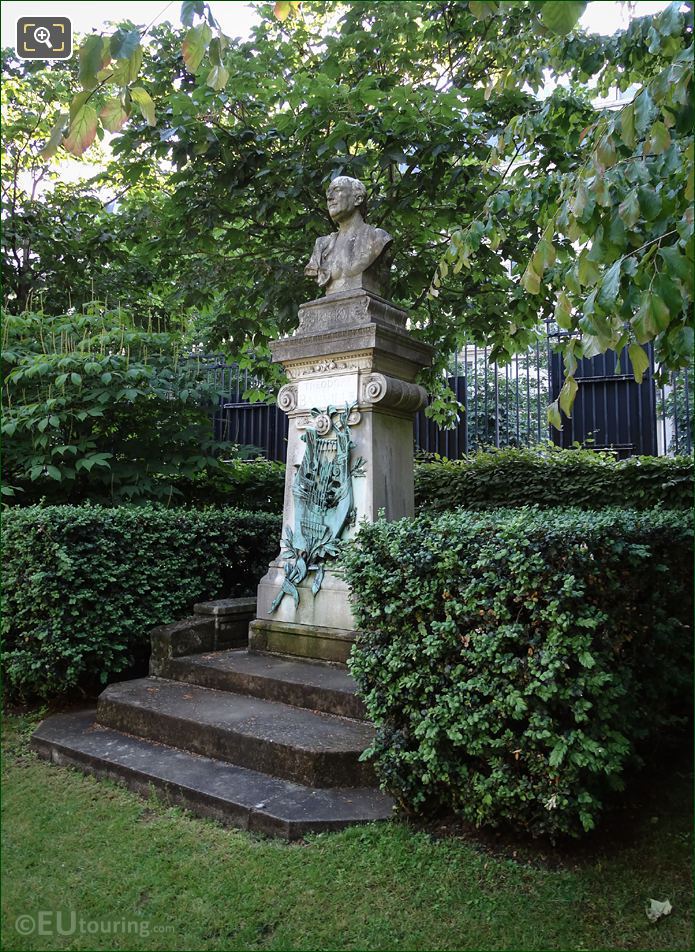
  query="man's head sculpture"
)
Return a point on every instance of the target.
[{"x": 357, "y": 256}]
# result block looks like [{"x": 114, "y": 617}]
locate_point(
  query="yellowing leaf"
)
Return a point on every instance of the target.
[
  {"x": 531, "y": 280},
  {"x": 82, "y": 131},
  {"x": 567, "y": 395},
  {"x": 217, "y": 77},
  {"x": 554, "y": 416},
  {"x": 639, "y": 359},
  {"x": 114, "y": 115},
  {"x": 563, "y": 309},
  {"x": 195, "y": 44},
  {"x": 55, "y": 137},
  {"x": 144, "y": 103},
  {"x": 283, "y": 8}
]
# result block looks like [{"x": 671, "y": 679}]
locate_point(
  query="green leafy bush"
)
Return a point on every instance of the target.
[
  {"x": 97, "y": 408},
  {"x": 257, "y": 484},
  {"x": 548, "y": 476},
  {"x": 516, "y": 662},
  {"x": 544, "y": 476},
  {"x": 84, "y": 585}
]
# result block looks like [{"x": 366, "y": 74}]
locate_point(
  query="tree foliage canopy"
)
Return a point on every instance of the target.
[{"x": 508, "y": 208}]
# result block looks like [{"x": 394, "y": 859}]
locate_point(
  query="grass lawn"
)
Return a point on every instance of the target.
[{"x": 172, "y": 881}]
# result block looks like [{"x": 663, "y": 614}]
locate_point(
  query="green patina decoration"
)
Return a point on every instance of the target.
[{"x": 323, "y": 500}]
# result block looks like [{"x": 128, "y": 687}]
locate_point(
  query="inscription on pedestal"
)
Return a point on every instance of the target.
[{"x": 322, "y": 391}]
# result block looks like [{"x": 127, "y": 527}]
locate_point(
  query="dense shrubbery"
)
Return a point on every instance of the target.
[
  {"x": 84, "y": 585},
  {"x": 257, "y": 484},
  {"x": 515, "y": 662},
  {"x": 548, "y": 476},
  {"x": 97, "y": 408},
  {"x": 544, "y": 476}
]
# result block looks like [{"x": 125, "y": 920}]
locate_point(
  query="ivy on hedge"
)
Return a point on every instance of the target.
[
  {"x": 515, "y": 661},
  {"x": 84, "y": 585},
  {"x": 548, "y": 476}
]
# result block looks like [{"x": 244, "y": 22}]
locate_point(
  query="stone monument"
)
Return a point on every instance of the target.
[
  {"x": 351, "y": 400},
  {"x": 233, "y": 728}
]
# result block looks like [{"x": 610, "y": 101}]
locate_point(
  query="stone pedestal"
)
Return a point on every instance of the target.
[{"x": 351, "y": 349}]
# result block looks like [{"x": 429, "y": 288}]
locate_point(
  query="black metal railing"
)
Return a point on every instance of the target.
[{"x": 503, "y": 406}]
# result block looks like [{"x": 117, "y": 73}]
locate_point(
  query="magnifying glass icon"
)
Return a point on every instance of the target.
[{"x": 43, "y": 35}]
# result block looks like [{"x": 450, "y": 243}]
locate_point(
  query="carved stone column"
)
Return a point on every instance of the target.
[{"x": 352, "y": 353}]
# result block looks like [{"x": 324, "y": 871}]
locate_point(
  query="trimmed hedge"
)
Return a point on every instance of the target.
[
  {"x": 84, "y": 585},
  {"x": 541, "y": 476},
  {"x": 515, "y": 662},
  {"x": 548, "y": 476},
  {"x": 253, "y": 485}
]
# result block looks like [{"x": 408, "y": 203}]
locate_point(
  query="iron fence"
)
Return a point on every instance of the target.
[{"x": 504, "y": 406}]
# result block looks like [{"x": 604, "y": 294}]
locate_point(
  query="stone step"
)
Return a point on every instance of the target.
[
  {"x": 313, "y": 685},
  {"x": 318, "y": 750},
  {"x": 231, "y": 794}
]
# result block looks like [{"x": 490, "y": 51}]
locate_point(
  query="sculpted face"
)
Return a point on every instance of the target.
[{"x": 340, "y": 199}]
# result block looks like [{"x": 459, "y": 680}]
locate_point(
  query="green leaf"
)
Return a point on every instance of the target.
[
  {"x": 76, "y": 379},
  {"x": 627, "y": 125},
  {"x": 94, "y": 55},
  {"x": 629, "y": 209},
  {"x": 114, "y": 115},
  {"x": 561, "y": 16},
  {"x": 677, "y": 264},
  {"x": 649, "y": 202},
  {"x": 195, "y": 44},
  {"x": 78, "y": 102},
  {"x": 127, "y": 71},
  {"x": 610, "y": 285},
  {"x": 82, "y": 131},
  {"x": 659, "y": 139},
  {"x": 144, "y": 102},
  {"x": 567, "y": 395},
  {"x": 481, "y": 10},
  {"x": 54, "y": 473},
  {"x": 554, "y": 416},
  {"x": 605, "y": 153},
  {"x": 644, "y": 110},
  {"x": 639, "y": 360},
  {"x": 217, "y": 78},
  {"x": 191, "y": 8},
  {"x": 124, "y": 43}
]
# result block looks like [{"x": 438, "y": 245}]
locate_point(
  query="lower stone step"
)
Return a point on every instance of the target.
[
  {"x": 233, "y": 795},
  {"x": 314, "y": 685},
  {"x": 318, "y": 750}
]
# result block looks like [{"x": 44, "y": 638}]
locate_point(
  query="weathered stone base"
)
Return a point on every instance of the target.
[
  {"x": 234, "y": 795},
  {"x": 329, "y": 608},
  {"x": 259, "y": 741},
  {"x": 213, "y": 626},
  {"x": 300, "y": 641}
]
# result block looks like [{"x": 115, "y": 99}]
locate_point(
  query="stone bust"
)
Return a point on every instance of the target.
[{"x": 357, "y": 255}]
